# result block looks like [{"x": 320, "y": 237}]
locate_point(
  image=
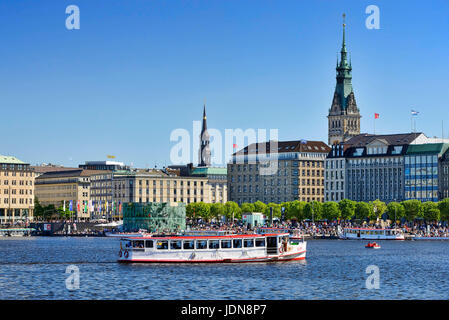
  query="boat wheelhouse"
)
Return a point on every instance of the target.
[
  {"x": 198, "y": 249},
  {"x": 295, "y": 234},
  {"x": 371, "y": 234}
]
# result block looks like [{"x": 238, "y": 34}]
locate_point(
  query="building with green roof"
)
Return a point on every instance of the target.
[{"x": 423, "y": 171}]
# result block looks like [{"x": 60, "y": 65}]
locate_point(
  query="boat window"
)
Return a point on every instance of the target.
[
  {"x": 163, "y": 244},
  {"x": 237, "y": 243},
  {"x": 128, "y": 244},
  {"x": 201, "y": 244},
  {"x": 249, "y": 243},
  {"x": 138, "y": 244},
  {"x": 260, "y": 242},
  {"x": 214, "y": 244},
  {"x": 189, "y": 245},
  {"x": 175, "y": 244},
  {"x": 148, "y": 243},
  {"x": 226, "y": 244}
]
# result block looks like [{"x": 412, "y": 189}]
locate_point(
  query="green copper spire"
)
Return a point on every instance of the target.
[{"x": 344, "y": 86}]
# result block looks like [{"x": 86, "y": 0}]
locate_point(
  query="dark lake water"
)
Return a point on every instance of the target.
[{"x": 34, "y": 268}]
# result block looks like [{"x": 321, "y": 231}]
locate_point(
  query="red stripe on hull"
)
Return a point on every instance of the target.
[{"x": 245, "y": 260}]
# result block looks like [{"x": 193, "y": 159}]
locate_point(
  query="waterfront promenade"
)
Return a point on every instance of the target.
[{"x": 318, "y": 230}]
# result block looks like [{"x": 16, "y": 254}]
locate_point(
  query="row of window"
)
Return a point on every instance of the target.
[
  {"x": 21, "y": 182},
  {"x": 18, "y": 167},
  {"x": 276, "y": 200},
  {"x": 199, "y": 244},
  {"x": 20, "y": 201}
]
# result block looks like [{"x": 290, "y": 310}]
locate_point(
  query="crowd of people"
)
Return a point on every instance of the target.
[{"x": 323, "y": 228}]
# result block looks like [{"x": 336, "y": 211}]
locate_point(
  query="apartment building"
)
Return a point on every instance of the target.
[
  {"x": 16, "y": 190},
  {"x": 278, "y": 171}
]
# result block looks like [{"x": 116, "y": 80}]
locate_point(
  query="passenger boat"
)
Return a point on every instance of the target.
[
  {"x": 201, "y": 249},
  {"x": 371, "y": 234},
  {"x": 372, "y": 245}
]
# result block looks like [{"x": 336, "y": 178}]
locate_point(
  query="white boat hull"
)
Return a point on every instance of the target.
[
  {"x": 295, "y": 252},
  {"x": 371, "y": 234}
]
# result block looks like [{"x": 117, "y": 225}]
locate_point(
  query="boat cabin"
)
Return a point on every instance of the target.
[{"x": 271, "y": 243}]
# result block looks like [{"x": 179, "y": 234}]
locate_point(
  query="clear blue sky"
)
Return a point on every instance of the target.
[{"x": 136, "y": 70}]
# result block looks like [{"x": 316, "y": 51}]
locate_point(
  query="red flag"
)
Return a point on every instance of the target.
[
  {"x": 376, "y": 116},
  {"x": 234, "y": 146}
]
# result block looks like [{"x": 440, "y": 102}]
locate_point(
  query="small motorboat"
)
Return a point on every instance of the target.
[{"x": 372, "y": 245}]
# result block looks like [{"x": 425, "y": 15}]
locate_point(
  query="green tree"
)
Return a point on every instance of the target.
[
  {"x": 38, "y": 209},
  {"x": 203, "y": 210},
  {"x": 259, "y": 206},
  {"x": 217, "y": 210},
  {"x": 395, "y": 209},
  {"x": 296, "y": 210},
  {"x": 276, "y": 210},
  {"x": 363, "y": 210},
  {"x": 347, "y": 208},
  {"x": 443, "y": 205},
  {"x": 431, "y": 211},
  {"x": 65, "y": 214},
  {"x": 413, "y": 209},
  {"x": 313, "y": 210},
  {"x": 286, "y": 206},
  {"x": 232, "y": 207},
  {"x": 378, "y": 209},
  {"x": 191, "y": 210},
  {"x": 247, "y": 207},
  {"x": 331, "y": 211}
]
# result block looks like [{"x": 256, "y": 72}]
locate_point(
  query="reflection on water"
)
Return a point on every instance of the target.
[{"x": 34, "y": 268}]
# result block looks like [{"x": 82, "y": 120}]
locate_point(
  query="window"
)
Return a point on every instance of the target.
[
  {"x": 260, "y": 242},
  {"x": 226, "y": 244},
  {"x": 237, "y": 243},
  {"x": 162, "y": 245},
  {"x": 175, "y": 244},
  {"x": 214, "y": 244},
  {"x": 148, "y": 243},
  {"x": 249, "y": 243},
  {"x": 201, "y": 244},
  {"x": 138, "y": 244},
  {"x": 189, "y": 245}
]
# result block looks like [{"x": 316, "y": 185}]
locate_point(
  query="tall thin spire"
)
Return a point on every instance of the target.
[
  {"x": 343, "y": 47},
  {"x": 205, "y": 154},
  {"x": 204, "y": 119},
  {"x": 344, "y": 115}
]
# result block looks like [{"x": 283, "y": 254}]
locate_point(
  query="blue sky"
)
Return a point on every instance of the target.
[{"x": 136, "y": 70}]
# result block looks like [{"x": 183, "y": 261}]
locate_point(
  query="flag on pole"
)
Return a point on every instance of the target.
[
  {"x": 71, "y": 205},
  {"x": 107, "y": 206},
  {"x": 415, "y": 113},
  {"x": 120, "y": 207},
  {"x": 63, "y": 208},
  {"x": 78, "y": 205},
  {"x": 376, "y": 116}
]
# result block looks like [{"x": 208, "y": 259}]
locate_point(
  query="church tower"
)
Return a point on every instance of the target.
[
  {"x": 344, "y": 116},
  {"x": 204, "y": 156}
]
